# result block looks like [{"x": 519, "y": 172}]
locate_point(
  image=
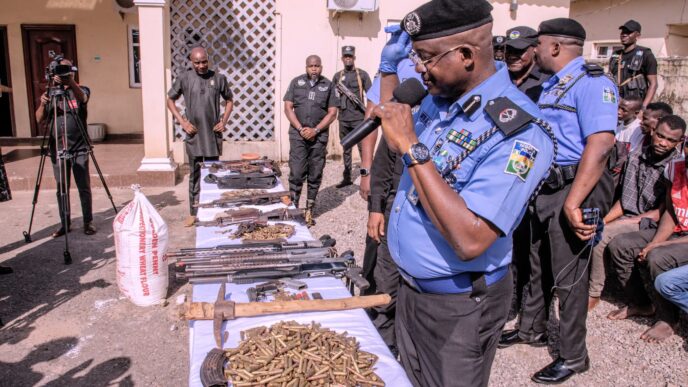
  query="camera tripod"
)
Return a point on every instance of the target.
[{"x": 63, "y": 156}]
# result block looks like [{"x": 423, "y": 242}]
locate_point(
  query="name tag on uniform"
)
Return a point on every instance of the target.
[{"x": 311, "y": 95}]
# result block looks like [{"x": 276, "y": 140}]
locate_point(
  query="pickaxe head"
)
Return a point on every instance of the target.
[{"x": 224, "y": 310}]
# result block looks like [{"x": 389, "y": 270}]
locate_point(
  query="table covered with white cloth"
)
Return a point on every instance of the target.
[{"x": 355, "y": 322}]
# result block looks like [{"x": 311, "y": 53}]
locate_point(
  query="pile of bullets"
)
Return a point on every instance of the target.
[
  {"x": 263, "y": 232},
  {"x": 289, "y": 354}
]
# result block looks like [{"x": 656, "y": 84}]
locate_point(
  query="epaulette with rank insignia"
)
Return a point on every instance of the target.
[
  {"x": 507, "y": 116},
  {"x": 593, "y": 70}
]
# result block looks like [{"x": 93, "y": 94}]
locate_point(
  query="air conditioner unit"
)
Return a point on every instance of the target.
[
  {"x": 352, "y": 5},
  {"x": 125, "y": 6}
]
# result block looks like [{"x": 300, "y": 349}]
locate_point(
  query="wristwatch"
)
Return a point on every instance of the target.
[
  {"x": 417, "y": 154},
  {"x": 364, "y": 172}
]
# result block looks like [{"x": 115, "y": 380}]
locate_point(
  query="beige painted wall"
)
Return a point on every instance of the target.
[
  {"x": 601, "y": 19},
  {"x": 308, "y": 28},
  {"x": 100, "y": 32}
]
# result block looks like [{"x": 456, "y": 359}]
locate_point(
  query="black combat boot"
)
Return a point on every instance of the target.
[{"x": 309, "y": 213}]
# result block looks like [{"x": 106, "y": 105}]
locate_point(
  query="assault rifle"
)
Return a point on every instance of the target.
[
  {"x": 265, "y": 261},
  {"x": 251, "y": 180},
  {"x": 244, "y": 166},
  {"x": 242, "y": 215},
  {"x": 254, "y": 199},
  {"x": 350, "y": 95},
  {"x": 247, "y": 249},
  {"x": 248, "y": 270}
]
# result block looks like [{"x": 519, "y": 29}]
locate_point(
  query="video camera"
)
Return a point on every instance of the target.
[{"x": 53, "y": 69}]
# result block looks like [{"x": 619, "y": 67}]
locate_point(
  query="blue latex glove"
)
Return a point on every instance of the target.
[{"x": 396, "y": 49}]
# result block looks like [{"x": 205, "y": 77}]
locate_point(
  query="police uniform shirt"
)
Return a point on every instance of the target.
[
  {"x": 311, "y": 102},
  {"x": 348, "y": 111},
  {"x": 202, "y": 99},
  {"x": 75, "y": 139},
  {"x": 590, "y": 106},
  {"x": 405, "y": 70},
  {"x": 496, "y": 180}
]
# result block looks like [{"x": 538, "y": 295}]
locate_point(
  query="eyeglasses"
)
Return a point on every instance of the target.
[{"x": 418, "y": 61}]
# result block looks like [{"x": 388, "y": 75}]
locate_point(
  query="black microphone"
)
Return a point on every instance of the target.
[{"x": 409, "y": 92}]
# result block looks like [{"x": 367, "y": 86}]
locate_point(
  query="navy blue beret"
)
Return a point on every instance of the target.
[{"x": 439, "y": 18}]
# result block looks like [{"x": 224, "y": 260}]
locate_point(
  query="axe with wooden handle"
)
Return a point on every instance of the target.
[{"x": 223, "y": 310}]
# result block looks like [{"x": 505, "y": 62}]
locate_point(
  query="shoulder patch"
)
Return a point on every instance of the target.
[
  {"x": 521, "y": 160},
  {"x": 507, "y": 116},
  {"x": 593, "y": 70},
  {"x": 608, "y": 95}
]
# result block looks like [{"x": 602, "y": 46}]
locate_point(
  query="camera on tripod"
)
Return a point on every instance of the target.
[{"x": 54, "y": 69}]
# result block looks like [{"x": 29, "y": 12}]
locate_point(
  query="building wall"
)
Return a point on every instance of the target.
[
  {"x": 601, "y": 19},
  {"x": 101, "y": 44},
  {"x": 673, "y": 75},
  {"x": 307, "y": 27}
]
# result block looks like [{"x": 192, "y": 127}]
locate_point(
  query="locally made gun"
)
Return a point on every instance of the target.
[
  {"x": 259, "y": 199},
  {"x": 334, "y": 267},
  {"x": 350, "y": 95},
  {"x": 249, "y": 249},
  {"x": 241, "y": 215},
  {"x": 251, "y": 180},
  {"x": 245, "y": 166},
  {"x": 269, "y": 263},
  {"x": 273, "y": 287},
  {"x": 243, "y": 260}
]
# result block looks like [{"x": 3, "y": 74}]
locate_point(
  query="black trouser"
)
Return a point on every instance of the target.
[
  {"x": 381, "y": 271},
  {"x": 306, "y": 158},
  {"x": 195, "y": 179},
  {"x": 79, "y": 165},
  {"x": 623, "y": 251},
  {"x": 451, "y": 339},
  {"x": 520, "y": 264},
  {"x": 557, "y": 253},
  {"x": 345, "y": 127}
]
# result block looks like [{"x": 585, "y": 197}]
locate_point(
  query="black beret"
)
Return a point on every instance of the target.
[
  {"x": 439, "y": 18},
  {"x": 562, "y": 27}
]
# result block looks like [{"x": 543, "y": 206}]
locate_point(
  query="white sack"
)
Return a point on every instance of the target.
[{"x": 141, "y": 246}]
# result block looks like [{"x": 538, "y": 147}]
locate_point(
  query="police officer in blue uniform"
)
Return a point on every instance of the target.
[
  {"x": 474, "y": 154},
  {"x": 581, "y": 103}
]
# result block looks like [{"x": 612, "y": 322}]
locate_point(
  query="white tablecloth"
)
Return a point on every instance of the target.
[{"x": 355, "y": 322}]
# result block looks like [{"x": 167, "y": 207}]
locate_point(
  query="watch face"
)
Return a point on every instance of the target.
[{"x": 420, "y": 152}]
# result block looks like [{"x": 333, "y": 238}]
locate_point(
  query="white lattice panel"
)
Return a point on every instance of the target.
[{"x": 240, "y": 38}]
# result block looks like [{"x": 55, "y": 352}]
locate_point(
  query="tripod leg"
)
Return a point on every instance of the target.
[
  {"x": 64, "y": 200},
  {"x": 36, "y": 190},
  {"x": 102, "y": 179}
]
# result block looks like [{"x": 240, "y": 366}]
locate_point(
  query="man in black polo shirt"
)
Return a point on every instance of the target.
[
  {"x": 634, "y": 67},
  {"x": 310, "y": 106}
]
